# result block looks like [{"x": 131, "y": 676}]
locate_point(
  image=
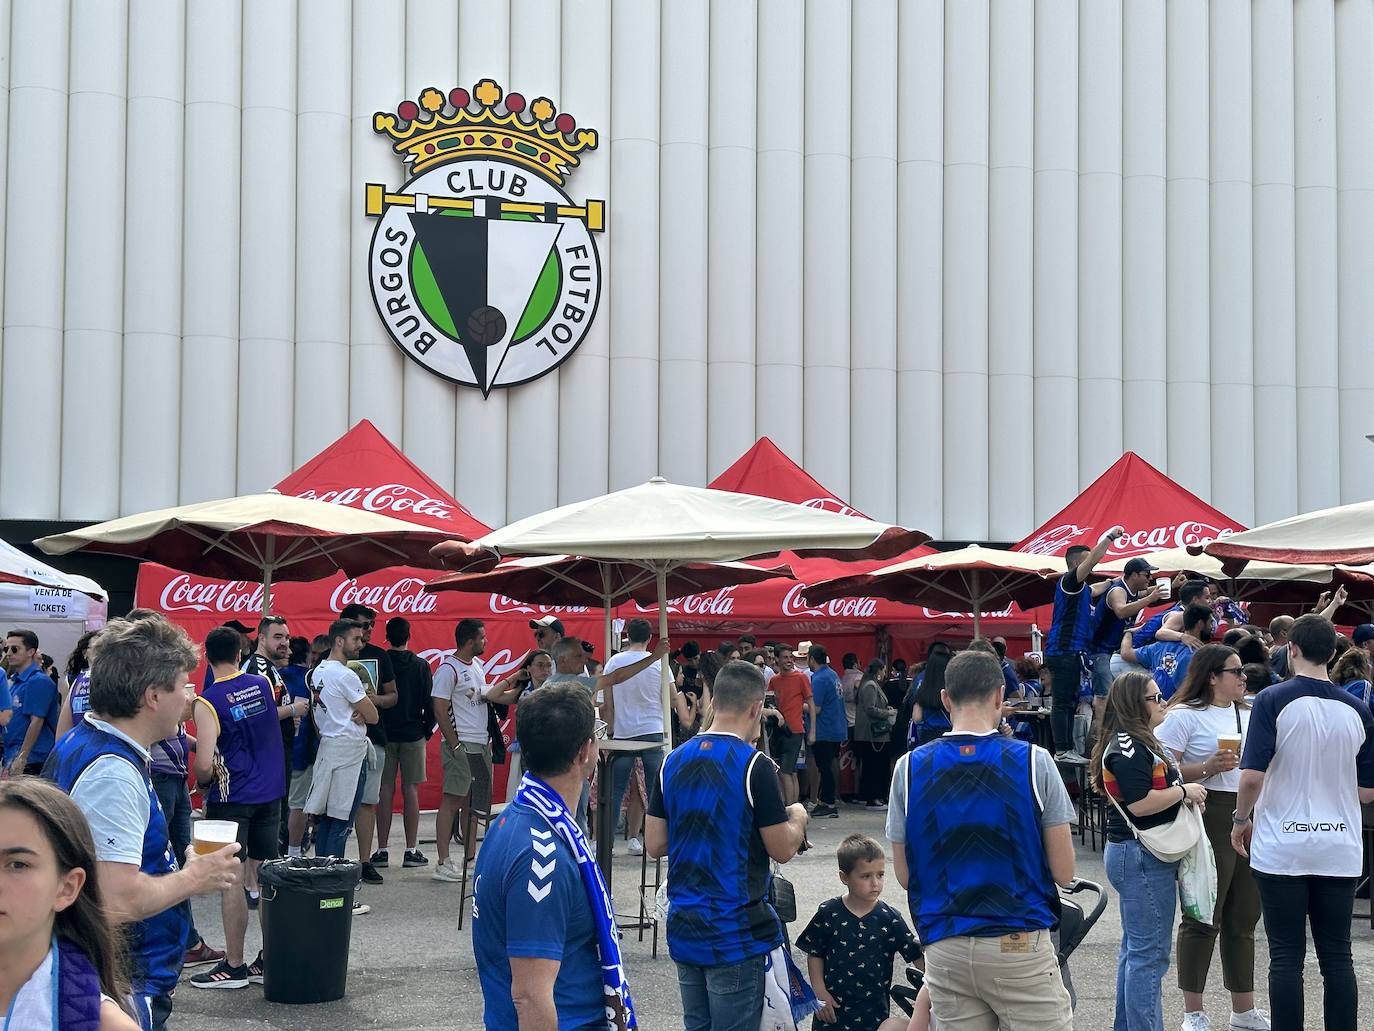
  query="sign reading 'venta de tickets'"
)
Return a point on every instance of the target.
[{"x": 482, "y": 269}]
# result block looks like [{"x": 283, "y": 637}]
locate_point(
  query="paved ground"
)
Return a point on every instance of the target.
[{"x": 411, "y": 969}]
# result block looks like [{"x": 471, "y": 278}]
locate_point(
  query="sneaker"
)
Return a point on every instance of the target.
[
  {"x": 253, "y": 898},
  {"x": 447, "y": 871},
  {"x": 1250, "y": 1020},
  {"x": 1072, "y": 758},
  {"x": 361, "y": 909},
  {"x": 255, "y": 969},
  {"x": 876, "y": 807},
  {"x": 201, "y": 955},
  {"x": 825, "y": 812},
  {"x": 380, "y": 858},
  {"x": 370, "y": 874},
  {"x": 222, "y": 976},
  {"x": 1196, "y": 1021},
  {"x": 414, "y": 857},
  {"x": 635, "y": 846}
]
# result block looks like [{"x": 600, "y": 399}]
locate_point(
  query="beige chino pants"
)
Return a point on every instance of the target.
[{"x": 1011, "y": 982}]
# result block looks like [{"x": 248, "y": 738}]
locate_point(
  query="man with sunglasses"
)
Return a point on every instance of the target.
[
  {"x": 378, "y": 664},
  {"x": 29, "y": 733}
]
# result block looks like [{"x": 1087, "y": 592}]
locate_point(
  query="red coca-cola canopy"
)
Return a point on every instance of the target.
[
  {"x": 362, "y": 469},
  {"x": 1156, "y": 512}
]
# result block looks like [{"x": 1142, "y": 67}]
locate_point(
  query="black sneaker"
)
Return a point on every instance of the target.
[
  {"x": 253, "y": 898},
  {"x": 380, "y": 858},
  {"x": 825, "y": 812},
  {"x": 222, "y": 975},
  {"x": 414, "y": 857},
  {"x": 255, "y": 969},
  {"x": 370, "y": 874}
]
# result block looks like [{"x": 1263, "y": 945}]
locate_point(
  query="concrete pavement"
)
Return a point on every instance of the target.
[{"x": 411, "y": 969}]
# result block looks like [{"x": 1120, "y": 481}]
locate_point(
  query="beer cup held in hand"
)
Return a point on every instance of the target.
[
  {"x": 212, "y": 835},
  {"x": 1228, "y": 743}
]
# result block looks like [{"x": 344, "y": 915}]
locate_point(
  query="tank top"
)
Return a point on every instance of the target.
[
  {"x": 252, "y": 766},
  {"x": 1071, "y": 626}
]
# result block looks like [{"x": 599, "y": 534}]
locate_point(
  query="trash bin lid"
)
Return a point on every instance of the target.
[{"x": 317, "y": 875}]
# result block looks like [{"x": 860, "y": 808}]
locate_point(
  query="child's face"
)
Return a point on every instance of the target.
[
  {"x": 865, "y": 881},
  {"x": 31, "y": 888}
]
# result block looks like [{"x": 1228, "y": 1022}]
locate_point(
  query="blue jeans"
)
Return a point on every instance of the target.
[
  {"x": 622, "y": 766},
  {"x": 331, "y": 836},
  {"x": 1146, "y": 889},
  {"x": 722, "y": 998},
  {"x": 176, "y": 807}
]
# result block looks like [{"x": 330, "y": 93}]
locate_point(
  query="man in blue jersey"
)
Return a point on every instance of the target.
[
  {"x": 240, "y": 763},
  {"x": 1116, "y": 609},
  {"x": 1167, "y": 661},
  {"x": 1167, "y": 624},
  {"x": 716, "y": 811},
  {"x": 1070, "y": 640},
  {"x": 31, "y": 729},
  {"x": 140, "y": 671},
  {"x": 959, "y": 807},
  {"x": 541, "y": 937}
]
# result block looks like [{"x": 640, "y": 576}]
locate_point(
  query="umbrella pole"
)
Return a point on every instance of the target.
[
  {"x": 267, "y": 576},
  {"x": 977, "y": 606},
  {"x": 606, "y": 608},
  {"x": 661, "y": 574}
]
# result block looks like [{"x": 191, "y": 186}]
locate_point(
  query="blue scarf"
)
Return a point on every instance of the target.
[{"x": 534, "y": 793}]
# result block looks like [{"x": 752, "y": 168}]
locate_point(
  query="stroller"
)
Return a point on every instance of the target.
[{"x": 1075, "y": 921}]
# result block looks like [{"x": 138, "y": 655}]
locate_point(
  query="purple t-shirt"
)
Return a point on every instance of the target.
[{"x": 249, "y": 745}]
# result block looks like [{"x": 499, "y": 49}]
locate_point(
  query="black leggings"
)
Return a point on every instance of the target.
[
  {"x": 1065, "y": 671},
  {"x": 825, "y": 753},
  {"x": 875, "y": 773},
  {"x": 1288, "y": 904}
]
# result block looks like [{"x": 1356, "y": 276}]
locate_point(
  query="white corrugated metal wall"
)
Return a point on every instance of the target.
[{"x": 953, "y": 256}]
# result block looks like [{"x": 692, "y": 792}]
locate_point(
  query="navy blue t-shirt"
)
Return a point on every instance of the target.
[{"x": 529, "y": 902}]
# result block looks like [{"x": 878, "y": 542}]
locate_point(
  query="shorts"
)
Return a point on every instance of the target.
[
  {"x": 786, "y": 750},
  {"x": 258, "y": 823},
  {"x": 372, "y": 787},
  {"x": 1100, "y": 667},
  {"x": 409, "y": 757},
  {"x": 458, "y": 766},
  {"x": 300, "y": 787}
]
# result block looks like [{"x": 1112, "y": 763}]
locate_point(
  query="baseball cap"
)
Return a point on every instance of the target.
[
  {"x": 1364, "y": 632},
  {"x": 1138, "y": 565},
  {"x": 234, "y": 624},
  {"x": 547, "y": 621}
]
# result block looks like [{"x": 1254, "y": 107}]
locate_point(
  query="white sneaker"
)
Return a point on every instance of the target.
[
  {"x": 635, "y": 846},
  {"x": 361, "y": 909},
  {"x": 1250, "y": 1020},
  {"x": 447, "y": 871},
  {"x": 1196, "y": 1021},
  {"x": 1075, "y": 759}
]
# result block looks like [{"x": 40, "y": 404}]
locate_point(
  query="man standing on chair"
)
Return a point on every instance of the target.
[{"x": 461, "y": 696}]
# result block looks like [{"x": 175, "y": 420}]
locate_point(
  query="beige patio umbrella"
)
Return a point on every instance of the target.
[
  {"x": 1336, "y": 536},
  {"x": 1258, "y": 578},
  {"x": 259, "y": 537},
  {"x": 974, "y": 578},
  {"x": 658, "y": 526},
  {"x": 573, "y": 580}
]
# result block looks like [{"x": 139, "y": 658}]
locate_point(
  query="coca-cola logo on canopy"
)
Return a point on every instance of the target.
[
  {"x": 403, "y": 597},
  {"x": 504, "y": 606},
  {"x": 498, "y": 665},
  {"x": 399, "y": 498},
  {"x": 182, "y": 593},
  {"x": 710, "y": 603},
  {"x": 832, "y": 505},
  {"x": 838, "y": 608},
  {"x": 1189, "y": 533}
]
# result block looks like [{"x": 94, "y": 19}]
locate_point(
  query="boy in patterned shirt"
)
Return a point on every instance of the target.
[{"x": 851, "y": 941}]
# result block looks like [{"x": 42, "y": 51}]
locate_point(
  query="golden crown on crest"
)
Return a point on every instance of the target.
[{"x": 443, "y": 128}]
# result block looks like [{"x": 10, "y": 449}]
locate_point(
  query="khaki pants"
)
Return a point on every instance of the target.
[
  {"x": 1011, "y": 983},
  {"x": 1238, "y": 911}
]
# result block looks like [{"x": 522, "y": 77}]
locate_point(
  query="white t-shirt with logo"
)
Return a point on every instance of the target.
[
  {"x": 1314, "y": 743},
  {"x": 464, "y": 686},
  {"x": 1194, "y": 732},
  {"x": 639, "y": 700},
  {"x": 337, "y": 687}
]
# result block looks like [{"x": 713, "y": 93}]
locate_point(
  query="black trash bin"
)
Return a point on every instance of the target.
[{"x": 307, "y": 918}]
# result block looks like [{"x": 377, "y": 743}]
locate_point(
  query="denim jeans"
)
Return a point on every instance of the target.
[
  {"x": 331, "y": 837},
  {"x": 1288, "y": 904},
  {"x": 623, "y": 765},
  {"x": 176, "y": 807},
  {"x": 1147, "y": 892},
  {"x": 726, "y": 998}
]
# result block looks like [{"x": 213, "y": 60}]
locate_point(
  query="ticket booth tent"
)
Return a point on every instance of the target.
[{"x": 59, "y": 607}]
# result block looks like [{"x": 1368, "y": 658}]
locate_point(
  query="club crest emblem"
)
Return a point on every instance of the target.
[{"x": 482, "y": 268}]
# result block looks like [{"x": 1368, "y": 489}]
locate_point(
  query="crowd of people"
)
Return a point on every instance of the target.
[{"x": 1180, "y": 713}]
